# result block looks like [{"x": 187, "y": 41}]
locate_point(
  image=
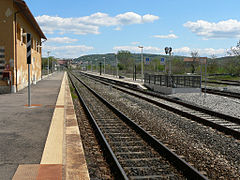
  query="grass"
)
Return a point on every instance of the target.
[{"x": 74, "y": 96}]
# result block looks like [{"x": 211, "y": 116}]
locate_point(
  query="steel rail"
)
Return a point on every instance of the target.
[
  {"x": 111, "y": 158},
  {"x": 174, "y": 100},
  {"x": 223, "y": 83},
  {"x": 201, "y": 120},
  {"x": 188, "y": 171},
  {"x": 223, "y": 93}
]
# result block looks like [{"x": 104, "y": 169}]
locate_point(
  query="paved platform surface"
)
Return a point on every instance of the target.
[
  {"x": 125, "y": 79},
  {"x": 23, "y": 130}
]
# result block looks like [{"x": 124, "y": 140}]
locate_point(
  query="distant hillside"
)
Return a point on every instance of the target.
[{"x": 110, "y": 58}]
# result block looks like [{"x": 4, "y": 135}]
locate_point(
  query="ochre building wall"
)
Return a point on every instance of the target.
[
  {"x": 18, "y": 62},
  {"x": 22, "y": 67},
  {"x": 6, "y": 35}
]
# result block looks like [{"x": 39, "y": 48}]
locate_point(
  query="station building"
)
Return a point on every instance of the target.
[{"x": 15, "y": 21}]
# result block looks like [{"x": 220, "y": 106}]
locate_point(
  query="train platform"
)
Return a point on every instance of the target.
[
  {"x": 138, "y": 82},
  {"x": 42, "y": 141}
]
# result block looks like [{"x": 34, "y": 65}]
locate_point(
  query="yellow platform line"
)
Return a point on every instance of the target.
[{"x": 53, "y": 150}]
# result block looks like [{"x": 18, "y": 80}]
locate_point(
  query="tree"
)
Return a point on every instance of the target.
[
  {"x": 233, "y": 66},
  {"x": 178, "y": 66},
  {"x": 45, "y": 62},
  {"x": 235, "y": 51},
  {"x": 125, "y": 59},
  {"x": 194, "y": 55},
  {"x": 124, "y": 56}
]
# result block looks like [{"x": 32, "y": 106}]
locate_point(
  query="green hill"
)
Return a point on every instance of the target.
[{"x": 110, "y": 58}]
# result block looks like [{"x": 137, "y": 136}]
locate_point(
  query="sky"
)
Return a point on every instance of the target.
[{"x": 79, "y": 27}]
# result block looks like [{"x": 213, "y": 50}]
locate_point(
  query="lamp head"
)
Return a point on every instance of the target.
[
  {"x": 166, "y": 50},
  {"x": 170, "y": 50}
]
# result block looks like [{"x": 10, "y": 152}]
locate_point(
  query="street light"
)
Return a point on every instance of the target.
[
  {"x": 96, "y": 65},
  {"x": 168, "y": 50},
  {"x": 91, "y": 66},
  {"x": 48, "y": 61},
  {"x": 116, "y": 65},
  {"x": 141, "y": 47},
  {"x": 104, "y": 65}
]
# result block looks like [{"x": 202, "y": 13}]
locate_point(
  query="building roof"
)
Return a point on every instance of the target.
[
  {"x": 62, "y": 62},
  {"x": 23, "y": 8},
  {"x": 197, "y": 59}
]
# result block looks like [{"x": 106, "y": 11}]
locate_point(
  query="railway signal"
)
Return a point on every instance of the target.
[
  {"x": 29, "y": 48},
  {"x": 168, "y": 50}
]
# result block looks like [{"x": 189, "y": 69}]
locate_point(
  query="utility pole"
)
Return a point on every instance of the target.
[
  {"x": 141, "y": 47},
  {"x": 168, "y": 50},
  {"x": 100, "y": 64},
  {"x": 48, "y": 62},
  {"x": 116, "y": 65},
  {"x": 104, "y": 65},
  {"x": 205, "y": 94},
  {"x": 96, "y": 65}
]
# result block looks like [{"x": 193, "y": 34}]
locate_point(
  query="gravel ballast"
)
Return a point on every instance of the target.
[
  {"x": 213, "y": 153},
  {"x": 225, "y": 105}
]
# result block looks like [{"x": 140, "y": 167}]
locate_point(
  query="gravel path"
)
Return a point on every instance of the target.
[{"x": 214, "y": 153}]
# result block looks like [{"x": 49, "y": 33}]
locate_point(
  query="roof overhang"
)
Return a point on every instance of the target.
[{"x": 23, "y": 8}]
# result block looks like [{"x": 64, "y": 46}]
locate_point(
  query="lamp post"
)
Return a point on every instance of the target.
[
  {"x": 104, "y": 64},
  {"x": 96, "y": 65},
  {"x": 141, "y": 47},
  {"x": 116, "y": 65},
  {"x": 48, "y": 61},
  {"x": 168, "y": 50},
  {"x": 100, "y": 64}
]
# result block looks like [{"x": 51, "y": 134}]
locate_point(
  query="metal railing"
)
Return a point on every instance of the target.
[{"x": 175, "y": 81}]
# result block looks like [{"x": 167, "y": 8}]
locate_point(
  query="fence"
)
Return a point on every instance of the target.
[{"x": 174, "y": 81}]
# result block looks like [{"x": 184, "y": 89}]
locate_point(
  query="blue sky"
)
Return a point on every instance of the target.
[{"x": 76, "y": 28}]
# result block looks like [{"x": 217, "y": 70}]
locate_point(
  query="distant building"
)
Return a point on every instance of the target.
[
  {"x": 63, "y": 63},
  {"x": 15, "y": 21}
]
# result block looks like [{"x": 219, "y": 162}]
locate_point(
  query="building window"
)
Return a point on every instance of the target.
[
  {"x": 24, "y": 40},
  {"x": 33, "y": 44},
  {"x": 37, "y": 46}
]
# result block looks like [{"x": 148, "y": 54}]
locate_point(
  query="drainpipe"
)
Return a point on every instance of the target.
[{"x": 15, "y": 64}]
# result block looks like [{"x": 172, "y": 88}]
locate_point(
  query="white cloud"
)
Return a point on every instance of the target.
[
  {"x": 135, "y": 49},
  {"x": 169, "y": 36},
  {"x": 222, "y": 29},
  {"x": 202, "y": 52},
  {"x": 182, "y": 50},
  {"x": 149, "y": 18},
  {"x": 128, "y": 18},
  {"x": 66, "y": 51},
  {"x": 90, "y": 24},
  {"x": 51, "y": 24},
  {"x": 61, "y": 40}
]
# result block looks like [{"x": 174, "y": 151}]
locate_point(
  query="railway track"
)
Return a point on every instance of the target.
[
  {"x": 222, "y": 93},
  {"x": 229, "y": 83},
  {"x": 223, "y": 123},
  {"x": 132, "y": 152},
  {"x": 98, "y": 168}
]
